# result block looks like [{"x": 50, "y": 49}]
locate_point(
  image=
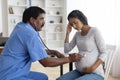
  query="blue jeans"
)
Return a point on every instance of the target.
[
  {"x": 75, "y": 75},
  {"x": 33, "y": 76}
]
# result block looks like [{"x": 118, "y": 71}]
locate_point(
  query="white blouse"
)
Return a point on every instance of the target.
[{"x": 91, "y": 46}]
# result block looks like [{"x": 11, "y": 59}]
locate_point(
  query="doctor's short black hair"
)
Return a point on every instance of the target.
[{"x": 32, "y": 11}]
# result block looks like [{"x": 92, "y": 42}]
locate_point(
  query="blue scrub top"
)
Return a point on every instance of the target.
[{"x": 22, "y": 48}]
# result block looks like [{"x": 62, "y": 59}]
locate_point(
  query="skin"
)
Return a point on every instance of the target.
[
  {"x": 78, "y": 25},
  {"x": 37, "y": 24}
]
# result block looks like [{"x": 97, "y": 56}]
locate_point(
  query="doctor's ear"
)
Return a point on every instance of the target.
[{"x": 32, "y": 20}]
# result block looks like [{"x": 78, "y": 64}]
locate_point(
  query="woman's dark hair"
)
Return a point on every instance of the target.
[
  {"x": 33, "y": 11},
  {"x": 78, "y": 14}
]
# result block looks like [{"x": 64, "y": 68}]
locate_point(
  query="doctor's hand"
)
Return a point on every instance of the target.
[{"x": 75, "y": 57}]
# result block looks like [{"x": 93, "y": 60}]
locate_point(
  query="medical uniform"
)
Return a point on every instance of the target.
[{"x": 22, "y": 48}]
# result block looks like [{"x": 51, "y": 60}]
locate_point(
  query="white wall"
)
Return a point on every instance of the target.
[
  {"x": 4, "y": 17},
  {"x": 0, "y": 17},
  {"x": 100, "y": 13}
]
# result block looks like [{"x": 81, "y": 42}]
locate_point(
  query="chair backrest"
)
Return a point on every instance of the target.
[{"x": 108, "y": 63}]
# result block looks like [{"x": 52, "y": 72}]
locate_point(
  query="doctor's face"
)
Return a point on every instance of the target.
[{"x": 39, "y": 22}]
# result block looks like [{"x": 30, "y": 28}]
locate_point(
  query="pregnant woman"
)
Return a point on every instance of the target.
[{"x": 90, "y": 45}]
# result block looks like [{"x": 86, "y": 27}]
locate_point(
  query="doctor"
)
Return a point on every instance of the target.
[{"x": 25, "y": 46}]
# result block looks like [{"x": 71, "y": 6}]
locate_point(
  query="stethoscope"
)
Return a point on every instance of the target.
[{"x": 52, "y": 55}]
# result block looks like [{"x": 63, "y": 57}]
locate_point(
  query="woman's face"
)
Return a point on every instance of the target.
[{"x": 76, "y": 23}]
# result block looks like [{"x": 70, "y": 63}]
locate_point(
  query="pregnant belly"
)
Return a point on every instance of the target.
[{"x": 86, "y": 61}]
